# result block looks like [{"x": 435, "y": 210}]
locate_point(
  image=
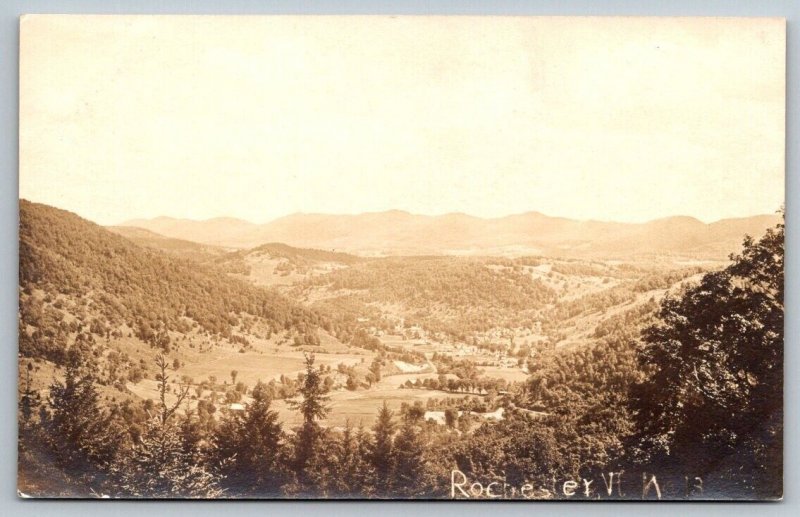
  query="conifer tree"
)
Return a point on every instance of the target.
[
  {"x": 382, "y": 455},
  {"x": 158, "y": 467},
  {"x": 351, "y": 470},
  {"x": 248, "y": 449},
  {"x": 161, "y": 464},
  {"x": 313, "y": 407},
  {"x": 409, "y": 453},
  {"x": 77, "y": 431}
]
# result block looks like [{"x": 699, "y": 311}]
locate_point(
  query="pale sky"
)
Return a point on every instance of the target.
[{"x": 625, "y": 119}]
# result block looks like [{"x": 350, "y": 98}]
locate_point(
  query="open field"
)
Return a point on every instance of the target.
[
  {"x": 264, "y": 366},
  {"x": 361, "y": 407}
]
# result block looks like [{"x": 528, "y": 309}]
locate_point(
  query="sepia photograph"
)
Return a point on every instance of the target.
[{"x": 460, "y": 258}]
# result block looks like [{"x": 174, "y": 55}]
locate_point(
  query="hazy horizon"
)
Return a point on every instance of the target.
[
  {"x": 414, "y": 213},
  {"x": 466, "y": 214},
  {"x": 612, "y": 119}
]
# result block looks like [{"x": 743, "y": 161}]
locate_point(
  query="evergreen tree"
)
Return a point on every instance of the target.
[
  {"x": 248, "y": 449},
  {"x": 382, "y": 455},
  {"x": 82, "y": 438},
  {"x": 164, "y": 463},
  {"x": 351, "y": 470},
  {"x": 409, "y": 450},
  {"x": 158, "y": 467},
  {"x": 313, "y": 407}
]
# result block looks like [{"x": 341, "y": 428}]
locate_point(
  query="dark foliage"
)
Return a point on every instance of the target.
[{"x": 711, "y": 403}]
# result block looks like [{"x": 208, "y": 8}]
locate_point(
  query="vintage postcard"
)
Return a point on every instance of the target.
[{"x": 379, "y": 257}]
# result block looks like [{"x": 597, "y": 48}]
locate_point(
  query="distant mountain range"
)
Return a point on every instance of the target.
[{"x": 401, "y": 233}]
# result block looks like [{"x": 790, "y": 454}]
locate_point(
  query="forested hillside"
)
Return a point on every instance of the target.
[
  {"x": 452, "y": 295},
  {"x": 176, "y": 247},
  {"x": 107, "y": 283},
  {"x": 279, "y": 264},
  {"x": 466, "y": 298}
]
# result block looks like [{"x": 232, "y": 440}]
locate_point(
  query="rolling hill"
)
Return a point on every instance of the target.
[
  {"x": 279, "y": 264},
  {"x": 171, "y": 246},
  {"x": 75, "y": 275}
]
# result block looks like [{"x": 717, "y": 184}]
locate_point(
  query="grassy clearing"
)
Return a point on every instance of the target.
[
  {"x": 264, "y": 366},
  {"x": 361, "y": 407}
]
